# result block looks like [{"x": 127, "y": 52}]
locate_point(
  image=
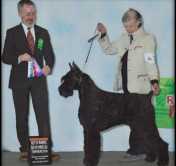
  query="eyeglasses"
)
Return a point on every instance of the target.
[{"x": 29, "y": 14}]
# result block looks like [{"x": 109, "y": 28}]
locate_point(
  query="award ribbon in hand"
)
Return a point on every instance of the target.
[{"x": 34, "y": 69}]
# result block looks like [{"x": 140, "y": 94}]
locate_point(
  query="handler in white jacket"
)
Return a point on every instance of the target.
[{"x": 139, "y": 72}]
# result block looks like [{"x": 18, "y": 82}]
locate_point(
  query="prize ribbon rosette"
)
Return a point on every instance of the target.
[{"x": 34, "y": 69}]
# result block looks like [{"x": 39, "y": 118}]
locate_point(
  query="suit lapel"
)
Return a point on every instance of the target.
[{"x": 37, "y": 35}]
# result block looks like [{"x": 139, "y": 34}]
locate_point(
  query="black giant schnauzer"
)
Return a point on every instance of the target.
[{"x": 100, "y": 110}]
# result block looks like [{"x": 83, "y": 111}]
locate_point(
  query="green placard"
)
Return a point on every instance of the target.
[{"x": 163, "y": 120}]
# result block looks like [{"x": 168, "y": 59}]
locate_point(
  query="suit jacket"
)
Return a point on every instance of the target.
[
  {"x": 16, "y": 44},
  {"x": 142, "y": 67}
]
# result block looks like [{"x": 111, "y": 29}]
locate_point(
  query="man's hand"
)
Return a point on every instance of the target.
[
  {"x": 101, "y": 28},
  {"x": 24, "y": 57},
  {"x": 155, "y": 89},
  {"x": 46, "y": 70}
]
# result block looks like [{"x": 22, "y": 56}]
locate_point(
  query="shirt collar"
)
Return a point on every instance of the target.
[
  {"x": 139, "y": 32},
  {"x": 26, "y": 30}
]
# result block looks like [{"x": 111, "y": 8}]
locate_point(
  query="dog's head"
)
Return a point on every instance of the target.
[{"x": 70, "y": 81}]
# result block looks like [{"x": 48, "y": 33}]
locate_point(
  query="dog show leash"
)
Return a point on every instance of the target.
[{"x": 91, "y": 40}]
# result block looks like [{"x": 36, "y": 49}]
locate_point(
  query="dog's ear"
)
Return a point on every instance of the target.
[
  {"x": 76, "y": 68},
  {"x": 71, "y": 67}
]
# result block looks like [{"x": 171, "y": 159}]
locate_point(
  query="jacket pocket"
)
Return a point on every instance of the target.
[
  {"x": 143, "y": 82},
  {"x": 142, "y": 76}
]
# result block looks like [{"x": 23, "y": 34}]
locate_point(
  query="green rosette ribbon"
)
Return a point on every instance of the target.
[{"x": 40, "y": 44}]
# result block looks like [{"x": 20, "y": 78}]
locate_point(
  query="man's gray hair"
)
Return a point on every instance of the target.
[
  {"x": 127, "y": 16},
  {"x": 21, "y": 3}
]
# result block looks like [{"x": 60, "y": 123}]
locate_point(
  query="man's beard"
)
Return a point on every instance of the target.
[{"x": 29, "y": 24}]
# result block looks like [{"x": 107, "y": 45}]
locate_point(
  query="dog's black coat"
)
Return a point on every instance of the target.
[{"x": 100, "y": 110}]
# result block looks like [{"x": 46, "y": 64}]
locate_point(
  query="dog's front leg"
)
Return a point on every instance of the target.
[{"x": 92, "y": 143}]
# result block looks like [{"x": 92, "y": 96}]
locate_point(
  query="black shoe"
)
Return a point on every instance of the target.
[
  {"x": 55, "y": 156},
  {"x": 128, "y": 157},
  {"x": 24, "y": 156}
]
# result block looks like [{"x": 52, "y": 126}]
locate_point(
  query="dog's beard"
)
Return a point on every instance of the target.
[{"x": 65, "y": 92}]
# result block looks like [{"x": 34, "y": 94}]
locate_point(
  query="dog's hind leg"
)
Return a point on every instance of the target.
[
  {"x": 145, "y": 123},
  {"x": 92, "y": 144},
  {"x": 155, "y": 146},
  {"x": 159, "y": 146},
  {"x": 163, "y": 158}
]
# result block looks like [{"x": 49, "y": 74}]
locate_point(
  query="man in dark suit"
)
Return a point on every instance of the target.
[{"x": 23, "y": 43}]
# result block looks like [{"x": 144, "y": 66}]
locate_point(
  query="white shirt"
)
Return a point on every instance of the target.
[{"x": 26, "y": 30}]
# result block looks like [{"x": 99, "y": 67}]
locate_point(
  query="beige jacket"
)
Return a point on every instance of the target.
[{"x": 141, "y": 60}]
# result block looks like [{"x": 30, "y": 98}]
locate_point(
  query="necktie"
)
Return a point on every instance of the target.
[
  {"x": 131, "y": 38},
  {"x": 30, "y": 40},
  {"x": 124, "y": 71}
]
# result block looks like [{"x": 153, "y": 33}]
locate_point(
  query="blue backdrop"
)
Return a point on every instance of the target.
[{"x": 70, "y": 24}]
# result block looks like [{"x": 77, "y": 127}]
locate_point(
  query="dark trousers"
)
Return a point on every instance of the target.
[
  {"x": 135, "y": 141},
  {"x": 39, "y": 94}
]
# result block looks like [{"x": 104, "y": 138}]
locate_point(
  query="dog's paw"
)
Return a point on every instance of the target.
[
  {"x": 150, "y": 158},
  {"x": 88, "y": 163},
  {"x": 163, "y": 163}
]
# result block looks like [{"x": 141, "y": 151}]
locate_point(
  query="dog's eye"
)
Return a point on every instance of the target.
[{"x": 62, "y": 81}]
